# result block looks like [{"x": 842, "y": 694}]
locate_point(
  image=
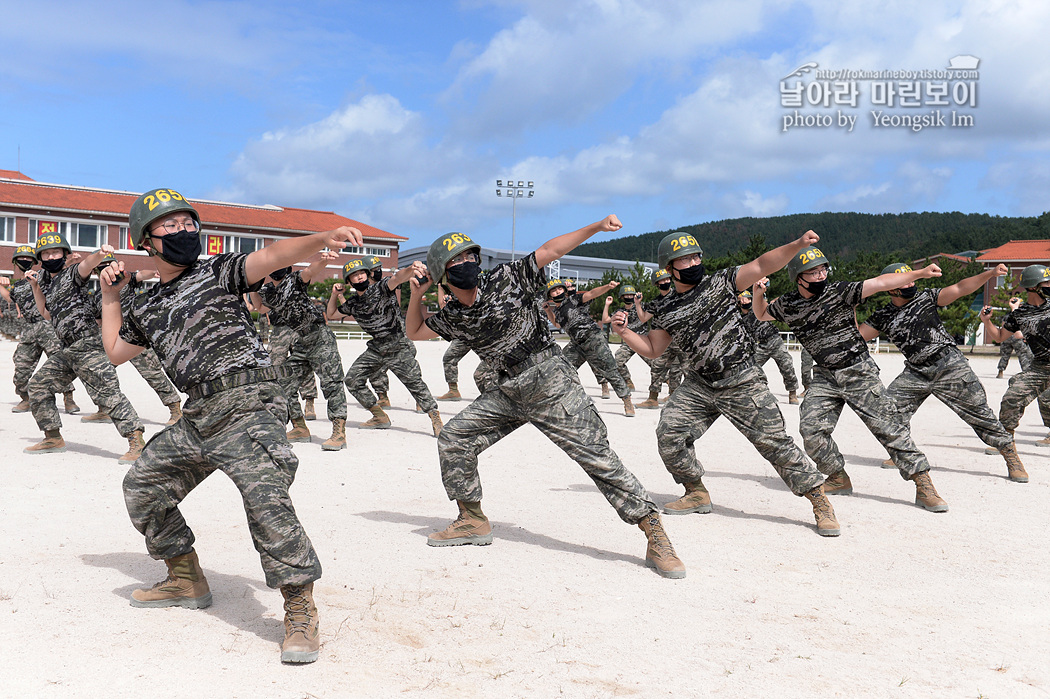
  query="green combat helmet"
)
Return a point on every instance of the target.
[
  {"x": 555, "y": 284},
  {"x": 627, "y": 290},
  {"x": 675, "y": 245},
  {"x": 107, "y": 260},
  {"x": 444, "y": 249},
  {"x": 660, "y": 274},
  {"x": 896, "y": 268},
  {"x": 1034, "y": 275},
  {"x": 153, "y": 206},
  {"x": 806, "y": 259},
  {"x": 26, "y": 251},
  {"x": 354, "y": 266},
  {"x": 49, "y": 241}
]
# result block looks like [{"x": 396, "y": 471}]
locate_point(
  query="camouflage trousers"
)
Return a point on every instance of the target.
[
  {"x": 35, "y": 339},
  {"x": 807, "y": 368},
  {"x": 952, "y": 382},
  {"x": 594, "y": 349},
  {"x": 549, "y": 395},
  {"x": 486, "y": 378},
  {"x": 239, "y": 431},
  {"x": 263, "y": 327},
  {"x": 1029, "y": 385},
  {"x": 750, "y": 408},
  {"x": 1011, "y": 345},
  {"x": 569, "y": 347},
  {"x": 316, "y": 353},
  {"x": 397, "y": 356},
  {"x": 667, "y": 368},
  {"x": 859, "y": 387},
  {"x": 282, "y": 338},
  {"x": 457, "y": 349},
  {"x": 86, "y": 360},
  {"x": 623, "y": 355},
  {"x": 148, "y": 366},
  {"x": 774, "y": 347}
]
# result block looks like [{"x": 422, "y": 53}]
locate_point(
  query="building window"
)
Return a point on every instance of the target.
[
  {"x": 78, "y": 235},
  {"x": 7, "y": 229},
  {"x": 378, "y": 252},
  {"x": 352, "y": 250}
]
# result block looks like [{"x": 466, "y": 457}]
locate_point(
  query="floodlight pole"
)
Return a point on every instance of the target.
[{"x": 515, "y": 192}]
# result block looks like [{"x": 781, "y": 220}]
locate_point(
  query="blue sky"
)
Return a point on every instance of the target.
[{"x": 403, "y": 114}]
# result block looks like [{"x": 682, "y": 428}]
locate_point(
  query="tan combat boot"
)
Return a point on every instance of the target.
[
  {"x": 453, "y": 393},
  {"x": 185, "y": 586},
  {"x": 338, "y": 439},
  {"x": 605, "y": 390},
  {"x": 628, "y": 406},
  {"x": 51, "y": 444},
  {"x": 838, "y": 483},
  {"x": 471, "y": 527},
  {"x": 926, "y": 495},
  {"x": 22, "y": 407},
  {"x": 889, "y": 463},
  {"x": 384, "y": 400},
  {"x": 793, "y": 397},
  {"x": 302, "y": 637},
  {"x": 1044, "y": 442},
  {"x": 999, "y": 375},
  {"x": 435, "y": 421},
  {"x": 70, "y": 405},
  {"x": 659, "y": 554},
  {"x": 379, "y": 420},
  {"x": 299, "y": 432},
  {"x": 309, "y": 412},
  {"x": 827, "y": 524},
  {"x": 653, "y": 401},
  {"x": 1014, "y": 468},
  {"x": 696, "y": 499},
  {"x": 135, "y": 445},
  {"x": 992, "y": 451},
  {"x": 630, "y": 384},
  {"x": 99, "y": 416},
  {"x": 176, "y": 413}
]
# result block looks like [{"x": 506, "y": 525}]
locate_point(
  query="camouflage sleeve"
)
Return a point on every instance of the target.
[
  {"x": 852, "y": 292},
  {"x": 1010, "y": 323},
  {"x": 229, "y": 269},
  {"x": 131, "y": 333},
  {"x": 878, "y": 319},
  {"x": 775, "y": 309},
  {"x": 439, "y": 324},
  {"x": 531, "y": 277},
  {"x": 346, "y": 308}
]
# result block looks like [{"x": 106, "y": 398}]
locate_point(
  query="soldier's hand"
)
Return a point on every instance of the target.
[
  {"x": 613, "y": 284},
  {"x": 329, "y": 255},
  {"x": 760, "y": 286},
  {"x": 1014, "y": 303},
  {"x": 74, "y": 257},
  {"x": 610, "y": 223},
  {"x": 986, "y": 312},
  {"x": 337, "y": 238},
  {"x": 420, "y": 282},
  {"x": 809, "y": 238},
  {"x": 608, "y": 301},
  {"x": 1001, "y": 270},
  {"x": 107, "y": 249},
  {"x": 5, "y": 281},
  {"x": 338, "y": 288},
  {"x": 32, "y": 276},
  {"x": 638, "y": 296},
  {"x": 112, "y": 278},
  {"x": 619, "y": 322},
  {"x": 930, "y": 271}
]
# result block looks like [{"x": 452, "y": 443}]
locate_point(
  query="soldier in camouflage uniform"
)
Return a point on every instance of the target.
[
  {"x": 768, "y": 343},
  {"x": 315, "y": 350},
  {"x": 35, "y": 335},
  {"x": 376, "y": 309},
  {"x": 587, "y": 344},
  {"x": 61, "y": 297},
  {"x": 282, "y": 337},
  {"x": 497, "y": 315},
  {"x": 1032, "y": 319},
  {"x": 631, "y": 301},
  {"x": 721, "y": 379},
  {"x": 234, "y": 419},
  {"x": 933, "y": 365},
  {"x": 668, "y": 367},
  {"x": 450, "y": 364},
  {"x": 823, "y": 318},
  {"x": 1013, "y": 343}
]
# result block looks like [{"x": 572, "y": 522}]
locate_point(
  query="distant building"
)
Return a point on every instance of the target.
[
  {"x": 582, "y": 269},
  {"x": 91, "y": 217},
  {"x": 1017, "y": 254}
]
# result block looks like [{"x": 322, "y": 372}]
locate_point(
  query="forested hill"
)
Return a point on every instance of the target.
[{"x": 843, "y": 235}]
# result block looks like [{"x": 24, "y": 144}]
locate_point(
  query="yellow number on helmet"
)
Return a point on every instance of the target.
[
  {"x": 163, "y": 195},
  {"x": 175, "y": 195}
]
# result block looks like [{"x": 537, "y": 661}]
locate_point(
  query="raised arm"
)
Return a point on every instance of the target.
[
  {"x": 38, "y": 295},
  {"x": 991, "y": 331},
  {"x": 772, "y": 261},
  {"x": 117, "y": 349},
  {"x": 965, "y": 287},
  {"x": 644, "y": 316},
  {"x": 893, "y": 280},
  {"x": 759, "y": 306},
  {"x": 4, "y": 283},
  {"x": 317, "y": 267},
  {"x": 597, "y": 291},
  {"x": 650, "y": 345},
  {"x": 867, "y": 332},
  {"x": 564, "y": 244},
  {"x": 288, "y": 251},
  {"x": 335, "y": 300},
  {"x": 415, "y": 322}
]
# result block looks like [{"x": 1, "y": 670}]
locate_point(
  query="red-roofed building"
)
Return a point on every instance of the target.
[
  {"x": 1017, "y": 254},
  {"x": 90, "y": 217}
]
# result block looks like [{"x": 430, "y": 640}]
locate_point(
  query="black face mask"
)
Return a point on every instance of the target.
[
  {"x": 1042, "y": 291},
  {"x": 54, "y": 266},
  {"x": 816, "y": 288},
  {"x": 691, "y": 275},
  {"x": 360, "y": 286},
  {"x": 377, "y": 274},
  {"x": 664, "y": 287},
  {"x": 180, "y": 249},
  {"x": 908, "y": 292},
  {"x": 464, "y": 276},
  {"x": 745, "y": 307},
  {"x": 279, "y": 274},
  {"x": 558, "y": 298},
  {"x": 24, "y": 264},
  {"x": 628, "y": 302}
]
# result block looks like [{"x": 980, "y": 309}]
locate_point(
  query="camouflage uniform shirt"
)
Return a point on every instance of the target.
[
  {"x": 826, "y": 325},
  {"x": 915, "y": 327},
  {"x": 573, "y": 317},
  {"x": 760, "y": 330},
  {"x": 22, "y": 295},
  {"x": 295, "y": 308},
  {"x": 505, "y": 325},
  {"x": 1034, "y": 322},
  {"x": 198, "y": 323},
  {"x": 706, "y": 326},
  {"x": 377, "y": 311},
  {"x": 67, "y": 301}
]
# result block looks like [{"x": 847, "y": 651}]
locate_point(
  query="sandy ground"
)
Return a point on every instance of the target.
[{"x": 905, "y": 603}]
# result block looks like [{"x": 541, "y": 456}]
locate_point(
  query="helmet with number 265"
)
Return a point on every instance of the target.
[
  {"x": 675, "y": 245},
  {"x": 806, "y": 259},
  {"x": 155, "y": 205},
  {"x": 444, "y": 250}
]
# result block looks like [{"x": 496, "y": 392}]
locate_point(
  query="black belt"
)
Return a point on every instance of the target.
[
  {"x": 532, "y": 360},
  {"x": 240, "y": 378},
  {"x": 937, "y": 358}
]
